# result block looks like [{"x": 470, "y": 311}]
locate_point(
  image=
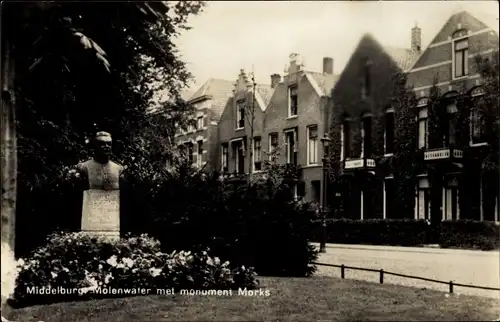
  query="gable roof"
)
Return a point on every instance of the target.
[
  {"x": 453, "y": 17},
  {"x": 403, "y": 57},
  {"x": 219, "y": 90}
]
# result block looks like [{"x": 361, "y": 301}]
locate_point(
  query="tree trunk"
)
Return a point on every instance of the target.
[{"x": 9, "y": 170}]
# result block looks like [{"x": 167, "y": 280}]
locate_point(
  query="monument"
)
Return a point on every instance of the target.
[{"x": 101, "y": 198}]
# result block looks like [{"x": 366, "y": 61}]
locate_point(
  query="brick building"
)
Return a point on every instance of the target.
[
  {"x": 240, "y": 115},
  {"x": 200, "y": 141},
  {"x": 362, "y": 124},
  {"x": 294, "y": 121},
  {"x": 463, "y": 188}
]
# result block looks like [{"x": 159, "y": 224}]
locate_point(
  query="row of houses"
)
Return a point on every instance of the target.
[{"x": 295, "y": 110}]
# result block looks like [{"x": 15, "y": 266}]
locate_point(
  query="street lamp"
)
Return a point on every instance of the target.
[{"x": 325, "y": 141}]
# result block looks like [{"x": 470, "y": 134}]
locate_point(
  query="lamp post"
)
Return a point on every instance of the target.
[{"x": 325, "y": 141}]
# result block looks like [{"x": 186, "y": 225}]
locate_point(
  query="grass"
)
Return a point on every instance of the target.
[{"x": 290, "y": 299}]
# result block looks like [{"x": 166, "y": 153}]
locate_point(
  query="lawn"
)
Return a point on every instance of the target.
[{"x": 290, "y": 299}]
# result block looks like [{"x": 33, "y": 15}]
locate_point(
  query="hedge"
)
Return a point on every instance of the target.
[
  {"x": 467, "y": 234},
  {"x": 470, "y": 234}
]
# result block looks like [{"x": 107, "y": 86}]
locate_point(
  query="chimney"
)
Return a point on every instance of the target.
[
  {"x": 275, "y": 80},
  {"x": 416, "y": 39},
  {"x": 328, "y": 65},
  {"x": 294, "y": 58}
]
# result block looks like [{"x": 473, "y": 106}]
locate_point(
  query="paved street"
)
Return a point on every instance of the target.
[{"x": 460, "y": 266}]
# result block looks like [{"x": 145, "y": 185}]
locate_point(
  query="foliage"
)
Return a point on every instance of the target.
[
  {"x": 470, "y": 234},
  {"x": 405, "y": 161},
  {"x": 64, "y": 95},
  {"x": 488, "y": 68},
  {"x": 72, "y": 261},
  {"x": 394, "y": 232},
  {"x": 253, "y": 224}
]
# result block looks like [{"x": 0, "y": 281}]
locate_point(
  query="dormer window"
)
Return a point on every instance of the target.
[
  {"x": 292, "y": 101},
  {"x": 240, "y": 114},
  {"x": 461, "y": 57}
]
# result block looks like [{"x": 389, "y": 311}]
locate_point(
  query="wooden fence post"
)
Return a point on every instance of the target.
[
  {"x": 451, "y": 286},
  {"x": 342, "y": 271},
  {"x": 381, "y": 276}
]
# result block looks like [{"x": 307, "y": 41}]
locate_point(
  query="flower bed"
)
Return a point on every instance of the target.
[{"x": 74, "y": 266}]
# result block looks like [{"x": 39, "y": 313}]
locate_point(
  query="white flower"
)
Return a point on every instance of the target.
[
  {"x": 226, "y": 263},
  {"x": 108, "y": 278},
  {"x": 128, "y": 261},
  {"x": 65, "y": 269},
  {"x": 210, "y": 261},
  {"x": 20, "y": 262},
  {"x": 204, "y": 253},
  {"x": 112, "y": 261},
  {"x": 100, "y": 266},
  {"x": 54, "y": 275},
  {"x": 155, "y": 271},
  {"x": 120, "y": 266},
  {"x": 217, "y": 260}
]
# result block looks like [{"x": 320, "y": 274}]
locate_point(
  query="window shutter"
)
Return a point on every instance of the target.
[
  {"x": 195, "y": 158},
  {"x": 205, "y": 121},
  {"x": 204, "y": 156}
]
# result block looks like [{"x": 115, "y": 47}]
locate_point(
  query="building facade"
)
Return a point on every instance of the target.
[
  {"x": 453, "y": 176},
  {"x": 294, "y": 122},
  {"x": 450, "y": 182},
  {"x": 240, "y": 127},
  {"x": 200, "y": 140}
]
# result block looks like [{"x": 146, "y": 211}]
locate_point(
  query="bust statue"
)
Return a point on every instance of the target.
[{"x": 100, "y": 172}]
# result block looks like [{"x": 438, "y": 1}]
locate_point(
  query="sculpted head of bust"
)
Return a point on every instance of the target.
[{"x": 102, "y": 147}]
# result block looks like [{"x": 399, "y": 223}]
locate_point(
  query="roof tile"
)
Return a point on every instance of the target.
[{"x": 220, "y": 90}]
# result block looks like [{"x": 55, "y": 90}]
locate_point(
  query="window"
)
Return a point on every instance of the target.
[
  {"x": 389, "y": 132},
  {"x": 422, "y": 202},
  {"x": 273, "y": 143},
  {"x": 190, "y": 152},
  {"x": 450, "y": 133},
  {"x": 423, "y": 124},
  {"x": 199, "y": 122},
  {"x": 257, "y": 154},
  {"x": 240, "y": 120},
  {"x": 292, "y": 101},
  {"x": 190, "y": 128},
  {"x": 461, "y": 57},
  {"x": 225, "y": 157},
  {"x": 312, "y": 144},
  {"x": 365, "y": 87},
  {"x": 316, "y": 191},
  {"x": 291, "y": 146},
  {"x": 390, "y": 196},
  {"x": 239, "y": 156},
  {"x": 366, "y": 137},
  {"x": 346, "y": 133},
  {"x": 477, "y": 122},
  {"x": 199, "y": 158}
]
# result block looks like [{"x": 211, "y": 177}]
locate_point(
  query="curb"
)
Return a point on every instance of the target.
[{"x": 425, "y": 249}]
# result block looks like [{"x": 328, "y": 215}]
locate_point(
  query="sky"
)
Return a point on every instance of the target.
[{"x": 260, "y": 35}]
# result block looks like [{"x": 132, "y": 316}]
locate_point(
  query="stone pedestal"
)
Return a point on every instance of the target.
[{"x": 101, "y": 213}]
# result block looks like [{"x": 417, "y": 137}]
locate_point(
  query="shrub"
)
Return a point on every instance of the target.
[
  {"x": 395, "y": 232},
  {"x": 86, "y": 265},
  {"x": 255, "y": 225},
  {"x": 473, "y": 234}
]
